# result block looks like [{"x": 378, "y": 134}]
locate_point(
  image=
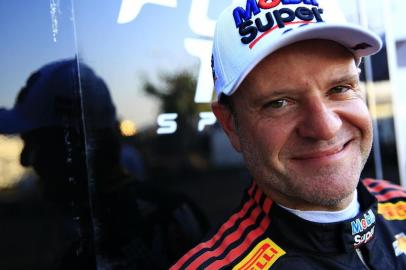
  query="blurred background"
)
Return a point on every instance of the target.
[{"x": 134, "y": 99}]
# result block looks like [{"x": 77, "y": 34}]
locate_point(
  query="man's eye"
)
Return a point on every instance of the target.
[
  {"x": 339, "y": 90},
  {"x": 277, "y": 104}
]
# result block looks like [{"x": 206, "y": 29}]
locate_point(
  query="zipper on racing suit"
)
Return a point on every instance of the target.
[{"x": 361, "y": 257}]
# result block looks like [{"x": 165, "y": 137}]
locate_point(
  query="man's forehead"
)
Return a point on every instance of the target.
[
  {"x": 310, "y": 51},
  {"x": 311, "y": 48},
  {"x": 258, "y": 86}
]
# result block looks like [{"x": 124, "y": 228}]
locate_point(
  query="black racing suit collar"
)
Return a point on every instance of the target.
[{"x": 295, "y": 233}]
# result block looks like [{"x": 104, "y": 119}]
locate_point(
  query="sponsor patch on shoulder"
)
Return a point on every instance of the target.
[
  {"x": 393, "y": 211},
  {"x": 399, "y": 245},
  {"x": 263, "y": 256}
]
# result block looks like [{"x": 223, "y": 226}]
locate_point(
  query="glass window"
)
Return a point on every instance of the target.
[{"x": 44, "y": 205}]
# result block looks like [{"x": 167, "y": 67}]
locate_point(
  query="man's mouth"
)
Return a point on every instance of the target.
[{"x": 323, "y": 153}]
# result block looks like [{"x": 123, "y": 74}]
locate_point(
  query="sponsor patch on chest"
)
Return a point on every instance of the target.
[
  {"x": 263, "y": 256},
  {"x": 363, "y": 229}
]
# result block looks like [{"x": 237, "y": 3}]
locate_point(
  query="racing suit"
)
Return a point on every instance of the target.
[{"x": 263, "y": 235}]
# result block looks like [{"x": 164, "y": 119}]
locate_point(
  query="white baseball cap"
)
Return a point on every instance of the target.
[{"x": 249, "y": 30}]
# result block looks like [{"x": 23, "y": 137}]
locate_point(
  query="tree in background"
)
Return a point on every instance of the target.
[{"x": 186, "y": 148}]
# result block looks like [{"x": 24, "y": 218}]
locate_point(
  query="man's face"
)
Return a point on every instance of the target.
[{"x": 302, "y": 125}]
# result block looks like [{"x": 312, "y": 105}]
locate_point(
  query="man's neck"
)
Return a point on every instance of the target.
[
  {"x": 329, "y": 216},
  {"x": 303, "y": 205}
]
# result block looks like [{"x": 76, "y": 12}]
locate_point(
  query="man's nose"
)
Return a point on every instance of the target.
[{"x": 319, "y": 121}]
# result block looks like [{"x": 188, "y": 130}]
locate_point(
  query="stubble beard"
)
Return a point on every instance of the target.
[{"x": 327, "y": 187}]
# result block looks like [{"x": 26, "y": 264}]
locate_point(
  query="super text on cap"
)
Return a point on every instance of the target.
[{"x": 283, "y": 16}]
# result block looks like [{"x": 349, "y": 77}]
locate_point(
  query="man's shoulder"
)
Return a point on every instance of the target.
[
  {"x": 384, "y": 191},
  {"x": 391, "y": 199},
  {"x": 243, "y": 254},
  {"x": 232, "y": 241}
]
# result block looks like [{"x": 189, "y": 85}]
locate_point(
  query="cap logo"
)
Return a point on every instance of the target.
[{"x": 249, "y": 28}]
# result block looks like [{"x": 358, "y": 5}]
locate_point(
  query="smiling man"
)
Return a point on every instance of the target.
[
  {"x": 306, "y": 136},
  {"x": 289, "y": 99}
]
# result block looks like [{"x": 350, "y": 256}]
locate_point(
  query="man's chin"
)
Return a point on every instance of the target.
[{"x": 328, "y": 193}]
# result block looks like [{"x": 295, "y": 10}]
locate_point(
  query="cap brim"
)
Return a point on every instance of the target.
[
  {"x": 347, "y": 35},
  {"x": 12, "y": 123}
]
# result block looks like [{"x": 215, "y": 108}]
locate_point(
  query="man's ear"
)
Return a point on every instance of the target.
[{"x": 228, "y": 123}]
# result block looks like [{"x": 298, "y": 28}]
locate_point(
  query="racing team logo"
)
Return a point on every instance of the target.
[{"x": 399, "y": 245}]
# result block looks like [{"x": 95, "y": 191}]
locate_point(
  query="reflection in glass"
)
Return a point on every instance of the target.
[
  {"x": 95, "y": 207},
  {"x": 137, "y": 224},
  {"x": 50, "y": 224}
]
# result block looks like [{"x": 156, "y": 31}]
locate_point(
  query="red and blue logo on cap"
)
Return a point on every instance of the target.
[{"x": 279, "y": 18}]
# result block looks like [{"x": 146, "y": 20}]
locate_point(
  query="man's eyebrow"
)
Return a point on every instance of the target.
[
  {"x": 350, "y": 78},
  {"x": 340, "y": 79}
]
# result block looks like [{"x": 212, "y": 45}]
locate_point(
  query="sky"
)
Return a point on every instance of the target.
[{"x": 124, "y": 55}]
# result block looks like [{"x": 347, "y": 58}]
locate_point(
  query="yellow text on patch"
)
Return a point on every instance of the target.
[
  {"x": 393, "y": 211},
  {"x": 263, "y": 256}
]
